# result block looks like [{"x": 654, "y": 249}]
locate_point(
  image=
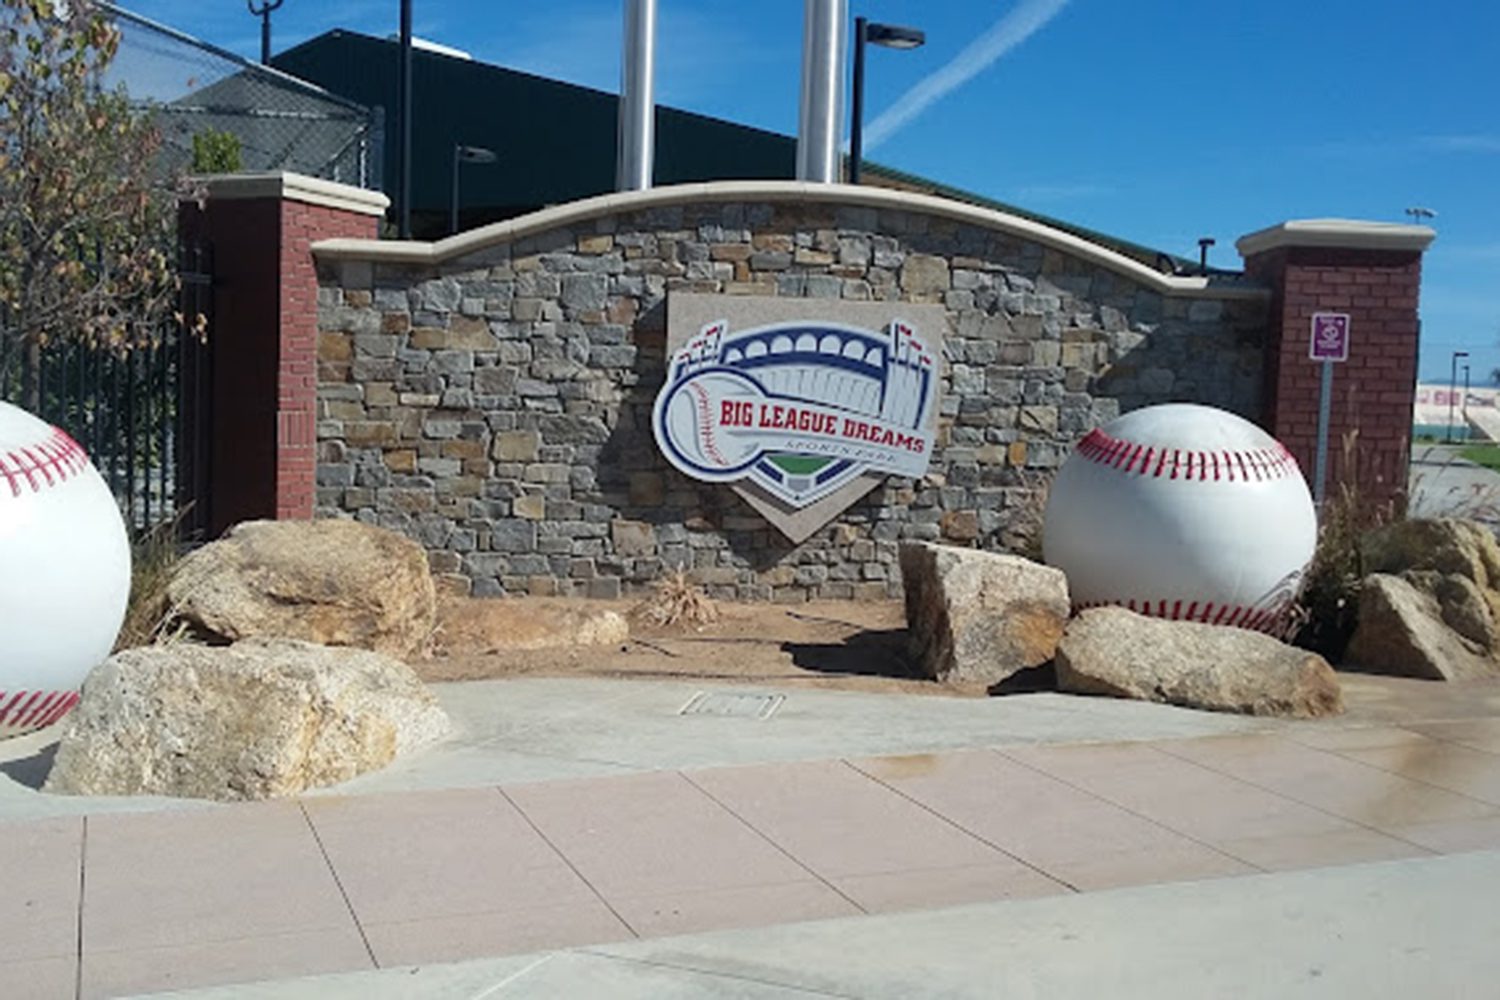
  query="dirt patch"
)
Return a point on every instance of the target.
[{"x": 845, "y": 645}]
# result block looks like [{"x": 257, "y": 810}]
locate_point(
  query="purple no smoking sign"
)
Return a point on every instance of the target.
[{"x": 1330, "y": 337}]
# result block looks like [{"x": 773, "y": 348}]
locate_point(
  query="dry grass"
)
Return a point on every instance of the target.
[
  {"x": 147, "y": 615},
  {"x": 677, "y": 602},
  {"x": 1324, "y": 618}
]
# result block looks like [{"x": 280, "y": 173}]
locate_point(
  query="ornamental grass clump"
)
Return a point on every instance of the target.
[{"x": 677, "y": 601}]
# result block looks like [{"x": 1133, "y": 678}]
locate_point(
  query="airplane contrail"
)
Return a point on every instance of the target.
[{"x": 1019, "y": 24}]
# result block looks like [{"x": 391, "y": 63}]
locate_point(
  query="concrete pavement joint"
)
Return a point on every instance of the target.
[
  {"x": 1492, "y": 807},
  {"x": 963, "y": 829},
  {"x": 83, "y": 855},
  {"x": 569, "y": 862},
  {"x": 502, "y": 984},
  {"x": 716, "y": 973},
  {"x": 343, "y": 893},
  {"x": 775, "y": 846}
]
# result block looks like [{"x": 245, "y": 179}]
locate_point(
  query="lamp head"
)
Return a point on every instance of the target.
[{"x": 894, "y": 36}]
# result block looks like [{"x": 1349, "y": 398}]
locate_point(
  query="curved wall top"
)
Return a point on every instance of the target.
[{"x": 456, "y": 246}]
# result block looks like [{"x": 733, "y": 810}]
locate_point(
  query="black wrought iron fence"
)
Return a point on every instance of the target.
[{"x": 139, "y": 412}]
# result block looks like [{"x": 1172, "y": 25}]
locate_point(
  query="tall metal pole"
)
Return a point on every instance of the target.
[
  {"x": 404, "y": 100},
  {"x": 264, "y": 13},
  {"x": 819, "y": 117},
  {"x": 1453, "y": 390},
  {"x": 1463, "y": 408},
  {"x": 857, "y": 102},
  {"x": 636, "y": 145},
  {"x": 453, "y": 208}
]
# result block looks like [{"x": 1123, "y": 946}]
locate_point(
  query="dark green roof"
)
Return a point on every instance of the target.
[{"x": 556, "y": 141}]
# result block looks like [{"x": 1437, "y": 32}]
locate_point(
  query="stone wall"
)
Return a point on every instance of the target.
[{"x": 490, "y": 396}]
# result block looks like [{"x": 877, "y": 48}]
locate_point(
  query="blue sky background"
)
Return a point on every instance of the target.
[{"x": 1154, "y": 120}]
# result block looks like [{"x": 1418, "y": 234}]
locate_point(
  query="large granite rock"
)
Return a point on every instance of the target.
[
  {"x": 1112, "y": 651},
  {"x": 980, "y": 616},
  {"x": 263, "y": 718},
  {"x": 1445, "y": 546},
  {"x": 334, "y": 582},
  {"x": 1436, "y": 626}
]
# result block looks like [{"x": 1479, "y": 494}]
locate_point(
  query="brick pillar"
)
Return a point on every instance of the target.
[
  {"x": 1371, "y": 271},
  {"x": 264, "y": 334}
]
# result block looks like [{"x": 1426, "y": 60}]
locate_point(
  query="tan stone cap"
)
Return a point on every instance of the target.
[
  {"x": 1351, "y": 234},
  {"x": 287, "y": 186},
  {"x": 574, "y": 212}
]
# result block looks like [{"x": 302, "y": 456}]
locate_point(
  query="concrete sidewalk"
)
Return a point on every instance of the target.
[
  {"x": 1397, "y": 930},
  {"x": 495, "y": 861}
]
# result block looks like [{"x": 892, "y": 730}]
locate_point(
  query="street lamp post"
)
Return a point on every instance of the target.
[
  {"x": 1463, "y": 407},
  {"x": 264, "y": 13},
  {"x": 464, "y": 154},
  {"x": 892, "y": 36},
  {"x": 1452, "y": 389}
]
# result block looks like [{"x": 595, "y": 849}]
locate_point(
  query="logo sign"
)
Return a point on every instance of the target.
[
  {"x": 799, "y": 409},
  {"x": 1330, "y": 337}
]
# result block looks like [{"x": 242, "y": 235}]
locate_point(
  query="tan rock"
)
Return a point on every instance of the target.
[
  {"x": 498, "y": 625},
  {"x": 632, "y": 538},
  {"x": 980, "y": 616},
  {"x": 1403, "y": 630},
  {"x": 1446, "y": 545},
  {"x": 263, "y": 718},
  {"x": 1112, "y": 651},
  {"x": 924, "y": 273},
  {"x": 335, "y": 582}
]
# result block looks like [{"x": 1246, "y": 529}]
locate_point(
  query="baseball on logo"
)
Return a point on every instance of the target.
[
  {"x": 64, "y": 571},
  {"x": 1186, "y": 512}
]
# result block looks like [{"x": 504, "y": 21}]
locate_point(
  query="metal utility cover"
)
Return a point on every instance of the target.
[{"x": 735, "y": 704}]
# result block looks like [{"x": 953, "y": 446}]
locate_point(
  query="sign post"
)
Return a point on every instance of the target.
[{"x": 1330, "y": 345}]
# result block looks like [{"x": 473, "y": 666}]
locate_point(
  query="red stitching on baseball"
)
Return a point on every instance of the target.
[
  {"x": 38, "y": 711},
  {"x": 1259, "y": 464},
  {"x": 60, "y": 459},
  {"x": 1255, "y": 619},
  {"x": 705, "y": 418}
]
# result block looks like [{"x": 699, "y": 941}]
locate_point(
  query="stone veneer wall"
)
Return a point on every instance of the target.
[{"x": 495, "y": 405}]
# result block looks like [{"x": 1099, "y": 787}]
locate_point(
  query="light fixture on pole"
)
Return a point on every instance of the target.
[
  {"x": 264, "y": 13},
  {"x": 892, "y": 36},
  {"x": 465, "y": 154},
  {"x": 1463, "y": 407},
  {"x": 1453, "y": 390}
]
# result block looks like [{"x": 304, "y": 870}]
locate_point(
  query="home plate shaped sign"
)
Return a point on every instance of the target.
[{"x": 798, "y": 411}]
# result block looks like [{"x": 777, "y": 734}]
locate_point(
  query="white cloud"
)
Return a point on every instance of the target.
[{"x": 1023, "y": 20}]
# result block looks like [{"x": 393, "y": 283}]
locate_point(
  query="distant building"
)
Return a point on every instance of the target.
[{"x": 1475, "y": 414}]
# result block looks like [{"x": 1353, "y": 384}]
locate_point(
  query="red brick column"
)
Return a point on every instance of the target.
[
  {"x": 263, "y": 336},
  {"x": 1372, "y": 272}
]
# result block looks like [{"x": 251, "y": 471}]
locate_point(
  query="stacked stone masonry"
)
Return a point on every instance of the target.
[{"x": 497, "y": 407}]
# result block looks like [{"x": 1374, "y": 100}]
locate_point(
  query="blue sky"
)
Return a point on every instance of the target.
[{"x": 1154, "y": 120}]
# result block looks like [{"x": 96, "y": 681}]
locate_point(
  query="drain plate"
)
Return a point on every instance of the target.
[{"x": 733, "y": 704}]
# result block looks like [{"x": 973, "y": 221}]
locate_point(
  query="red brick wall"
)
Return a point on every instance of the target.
[
  {"x": 297, "y": 372},
  {"x": 1373, "y": 390},
  {"x": 262, "y": 461}
]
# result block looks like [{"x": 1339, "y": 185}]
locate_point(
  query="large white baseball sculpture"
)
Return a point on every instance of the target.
[
  {"x": 64, "y": 571},
  {"x": 1185, "y": 512}
]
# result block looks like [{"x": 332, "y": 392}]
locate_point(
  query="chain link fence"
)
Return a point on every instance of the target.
[{"x": 281, "y": 122}]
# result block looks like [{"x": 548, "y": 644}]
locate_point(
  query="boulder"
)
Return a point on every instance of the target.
[
  {"x": 481, "y": 625},
  {"x": 1437, "y": 628},
  {"x": 1444, "y": 545},
  {"x": 333, "y": 582},
  {"x": 263, "y": 718},
  {"x": 977, "y": 616},
  {"x": 1112, "y": 651}
]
